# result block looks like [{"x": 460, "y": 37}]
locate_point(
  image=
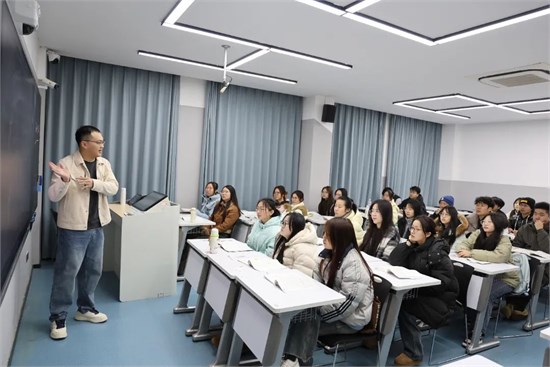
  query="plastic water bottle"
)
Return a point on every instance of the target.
[
  {"x": 213, "y": 240},
  {"x": 193, "y": 215}
]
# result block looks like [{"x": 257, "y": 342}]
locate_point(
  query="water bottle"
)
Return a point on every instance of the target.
[
  {"x": 193, "y": 215},
  {"x": 213, "y": 240},
  {"x": 123, "y": 198}
]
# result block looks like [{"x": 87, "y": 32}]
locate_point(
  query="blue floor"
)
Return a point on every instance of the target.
[{"x": 147, "y": 333}]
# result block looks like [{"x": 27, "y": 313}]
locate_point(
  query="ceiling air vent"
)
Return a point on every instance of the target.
[{"x": 517, "y": 78}]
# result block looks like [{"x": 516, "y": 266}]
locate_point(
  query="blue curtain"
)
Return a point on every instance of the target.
[
  {"x": 251, "y": 140},
  {"x": 137, "y": 113},
  {"x": 413, "y": 156},
  {"x": 357, "y": 150}
]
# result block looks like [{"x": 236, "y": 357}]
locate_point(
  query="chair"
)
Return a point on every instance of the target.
[
  {"x": 336, "y": 342},
  {"x": 534, "y": 289},
  {"x": 240, "y": 231},
  {"x": 463, "y": 273}
]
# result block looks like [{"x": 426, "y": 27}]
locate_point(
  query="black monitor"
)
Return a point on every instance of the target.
[{"x": 149, "y": 201}]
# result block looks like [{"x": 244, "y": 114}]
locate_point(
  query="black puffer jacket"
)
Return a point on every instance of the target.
[{"x": 433, "y": 304}]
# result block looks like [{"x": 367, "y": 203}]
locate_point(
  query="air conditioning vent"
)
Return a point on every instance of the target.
[{"x": 517, "y": 78}]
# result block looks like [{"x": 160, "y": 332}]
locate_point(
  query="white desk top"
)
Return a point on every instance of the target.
[
  {"x": 201, "y": 245},
  {"x": 489, "y": 269},
  {"x": 475, "y": 360},
  {"x": 248, "y": 217},
  {"x": 185, "y": 221},
  {"x": 380, "y": 268},
  {"x": 316, "y": 218},
  {"x": 545, "y": 333},
  {"x": 539, "y": 255}
]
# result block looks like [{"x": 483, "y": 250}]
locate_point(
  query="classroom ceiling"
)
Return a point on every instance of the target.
[{"x": 386, "y": 68}]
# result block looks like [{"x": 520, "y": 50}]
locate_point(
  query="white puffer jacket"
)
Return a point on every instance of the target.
[{"x": 301, "y": 250}]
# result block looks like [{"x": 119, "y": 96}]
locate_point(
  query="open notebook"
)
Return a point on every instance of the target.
[
  {"x": 403, "y": 273},
  {"x": 290, "y": 280},
  {"x": 232, "y": 245}
]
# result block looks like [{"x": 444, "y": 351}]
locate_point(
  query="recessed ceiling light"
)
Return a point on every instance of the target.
[
  {"x": 178, "y": 11},
  {"x": 323, "y": 6},
  {"x": 247, "y": 58},
  {"x": 389, "y": 28},
  {"x": 212, "y": 66},
  {"x": 361, "y": 5}
]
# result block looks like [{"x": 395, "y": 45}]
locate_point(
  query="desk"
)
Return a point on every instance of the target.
[
  {"x": 141, "y": 249},
  {"x": 477, "y": 297},
  {"x": 473, "y": 361},
  {"x": 537, "y": 285},
  {"x": 399, "y": 288},
  {"x": 545, "y": 334},
  {"x": 185, "y": 225}
]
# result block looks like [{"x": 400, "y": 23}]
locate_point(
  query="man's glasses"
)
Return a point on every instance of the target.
[{"x": 98, "y": 142}]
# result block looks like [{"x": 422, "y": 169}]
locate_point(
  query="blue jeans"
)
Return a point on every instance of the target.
[
  {"x": 79, "y": 257},
  {"x": 410, "y": 335}
]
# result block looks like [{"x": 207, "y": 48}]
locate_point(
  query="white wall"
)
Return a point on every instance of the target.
[{"x": 503, "y": 159}]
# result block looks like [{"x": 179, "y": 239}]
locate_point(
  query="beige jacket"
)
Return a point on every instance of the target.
[
  {"x": 356, "y": 219},
  {"x": 301, "y": 251},
  {"x": 73, "y": 202}
]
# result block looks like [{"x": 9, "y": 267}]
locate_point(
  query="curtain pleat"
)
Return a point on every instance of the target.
[
  {"x": 413, "y": 156},
  {"x": 357, "y": 149},
  {"x": 137, "y": 113},
  {"x": 250, "y": 140}
]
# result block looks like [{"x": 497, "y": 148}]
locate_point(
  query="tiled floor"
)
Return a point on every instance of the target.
[{"x": 147, "y": 333}]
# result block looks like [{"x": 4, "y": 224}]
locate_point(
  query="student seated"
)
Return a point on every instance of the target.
[
  {"x": 209, "y": 199},
  {"x": 263, "y": 233},
  {"x": 381, "y": 237},
  {"x": 297, "y": 203},
  {"x": 411, "y": 211},
  {"x": 513, "y": 214},
  {"x": 499, "y": 204},
  {"x": 341, "y": 267},
  {"x": 340, "y": 192},
  {"x": 279, "y": 197},
  {"x": 430, "y": 256},
  {"x": 450, "y": 225},
  {"x": 414, "y": 194},
  {"x": 388, "y": 195},
  {"x": 345, "y": 208},
  {"x": 444, "y": 201},
  {"x": 489, "y": 244},
  {"x": 296, "y": 244},
  {"x": 226, "y": 212},
  {"x": 484, "y": 206},
  {"x": 526, "y": 209},
  {"x": 327, "y": 201}
]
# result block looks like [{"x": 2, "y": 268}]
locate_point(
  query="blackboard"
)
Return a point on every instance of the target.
[{"x": 19, "y": 145}]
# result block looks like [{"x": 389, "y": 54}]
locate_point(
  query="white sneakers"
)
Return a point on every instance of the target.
[
  {"x": 58, "y": 330},
  {"x": 290, "y": 363},
  {"x": 93, "y": 316}
]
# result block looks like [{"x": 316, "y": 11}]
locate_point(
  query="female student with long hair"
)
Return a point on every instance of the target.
[
  {"x": 451, "y": 225},
  {"x": 341, "y": 267},
  {"x": 297, "y": 203},
  {"x": 226, "y": 212},
  {"x": 344, "y": 207},
  {"x": 430, "y": 256},
  {"x": 381, "y": 237},
  {"x": 411, "y": 210},
  {"x": 296, "y": 244},
  {"x": 489, "y": 244},
  {"x": 209, "y": 199},
  {"x": 279, "y": 196},
  {"x": 339, "y": 193},
  {"x": 263, "y": 233},
  {"x": 327, "y": 201}
]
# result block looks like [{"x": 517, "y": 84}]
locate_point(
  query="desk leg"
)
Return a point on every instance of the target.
[
  {"x": 204, "y": 331},
  {"x": 483, "y": 300},
  {"x": 182, "y": 249},
  {"x": 182, "y": 306},
  {"x": 537, "y": 285},
  {"x": 387, "y": 327},
  {"x": 235, "y": 350},
  {"x": 196, "y": 316},
  {"x": 224, "y": 348}
]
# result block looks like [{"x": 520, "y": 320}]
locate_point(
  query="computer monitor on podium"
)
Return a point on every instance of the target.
[{"x": 150, "y": 201}]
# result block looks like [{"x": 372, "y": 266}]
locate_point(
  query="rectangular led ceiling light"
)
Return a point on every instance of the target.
[
  {"x": 178, "y": 11},
  {"x": 220, "y": 36},
  {"x": 324, "y": 6},
  {"x": 310, "y": 58},
  {"x": 361, "y": 5},
  {"x": 247, "y": 58}
]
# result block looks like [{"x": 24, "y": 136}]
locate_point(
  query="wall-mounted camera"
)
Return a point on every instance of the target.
[
  {"x": 45, "y": 83},
  {"x": 53, "y": 56},
  {"x": 26, "y": 14}
]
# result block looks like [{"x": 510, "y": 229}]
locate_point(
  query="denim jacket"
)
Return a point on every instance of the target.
[{"x": 73, "y": 202}]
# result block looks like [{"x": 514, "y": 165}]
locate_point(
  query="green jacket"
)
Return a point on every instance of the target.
[{"x": 501, "y": 254}]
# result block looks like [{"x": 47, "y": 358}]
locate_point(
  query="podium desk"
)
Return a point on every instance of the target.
[
  {"x": 477, "y": 297},
  {"x": 141, "y": 249}
]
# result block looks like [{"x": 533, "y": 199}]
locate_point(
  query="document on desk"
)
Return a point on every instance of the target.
[
  {"x": 265, "y": 264},
  {"x": 403, "y": 273},
  {"x": 289, "y": 280},
  {"x": 478, "y": 261},
  {"x": 232, "y": 245}
]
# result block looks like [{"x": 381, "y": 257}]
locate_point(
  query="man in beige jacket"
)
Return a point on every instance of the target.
[{"x": 80, "y": 184}]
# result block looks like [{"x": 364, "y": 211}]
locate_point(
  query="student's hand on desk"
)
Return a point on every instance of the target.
[
  {"x": 61, "y": 171},
  {"x": 464, "y": 253}
]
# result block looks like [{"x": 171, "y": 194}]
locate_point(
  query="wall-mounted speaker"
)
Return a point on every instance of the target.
[{"x": 329, "y": 112}]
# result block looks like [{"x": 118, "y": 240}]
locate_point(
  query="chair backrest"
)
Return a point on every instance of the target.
[
  {"x": 382, "y": 288},
  {"x": 463, "y": 273},
  {"x": 240, "y": 231}
]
